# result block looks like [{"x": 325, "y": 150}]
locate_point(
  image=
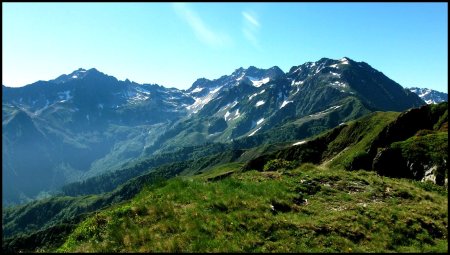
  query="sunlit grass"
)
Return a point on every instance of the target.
[{"x": 308, "y": 209}]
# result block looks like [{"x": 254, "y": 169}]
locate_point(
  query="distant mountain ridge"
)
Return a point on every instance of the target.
[
  {"x": 242, "y": 105},
  {"x": 430, "y": 96},
  {"x": 88, "y": 123}
]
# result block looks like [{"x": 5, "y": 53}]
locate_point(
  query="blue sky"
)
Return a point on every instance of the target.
[{"x": 174, "y": 44}]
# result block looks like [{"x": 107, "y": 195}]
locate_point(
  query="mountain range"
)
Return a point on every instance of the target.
[
  {"x": 430, "y": 96},
  {"x": 380, "y": 180},
  {"x": 86, "y": 124},
  {"x": 329, "y": 156}
]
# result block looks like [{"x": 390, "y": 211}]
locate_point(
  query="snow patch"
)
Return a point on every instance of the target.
[
  {"x": 252, "y": 96},
  {"x": 285, "y": 102},
  {"x": 339, "y": 84},
  {"x": 298, "y": 143},
  {"x": 200, "y": 102},
  {"x": 236, "y": 115},
  {"x": 335, "y": 74},
  {"x": 226, "y": 115},
  {"x": 332, "y": 108},
  {"x": 344, "y": 61},
  {"x": 319, "y": 68},
  {"x": 425, "y": 93},
  {"x": 259, "y": 103},
  {"x": 296, "y": 83},
  {"x": 297, "y": 70},
  {"x": 215, "y": 90},
  {"x": 240, "y": 78},
  {"x": 141, "y": 90},
  {"x": 228, "y": 106},
  {"x": 138, "y": 97},
  {"x": 254, "y": 131},
  {"x": 258, "y": 83},
  {"x": 197, "y": 90}
]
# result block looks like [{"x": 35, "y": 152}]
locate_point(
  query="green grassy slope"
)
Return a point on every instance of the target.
[
  {"x": 356, "y": 138},
  {"x": 308, "y": 209},
  {"x": 336, "y": 148},
  {"x": 406, "y": 145},
  {"x": 24, "y": 226}
]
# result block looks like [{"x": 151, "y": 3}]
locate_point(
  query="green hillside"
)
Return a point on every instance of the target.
[
  {"x": 307, "y": 209},
  {"x": 412, "y": 144}
]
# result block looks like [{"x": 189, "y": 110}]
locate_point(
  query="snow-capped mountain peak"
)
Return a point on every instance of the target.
[
  {"x": 429, "y": 96},
  {"x": 204, "y": 90}
]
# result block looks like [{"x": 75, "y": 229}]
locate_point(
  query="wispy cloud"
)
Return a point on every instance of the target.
[
  {"x": 251, "y": 18},
  {"x": 251, "y": 27},
  {"x": 205, "y": 34}
]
